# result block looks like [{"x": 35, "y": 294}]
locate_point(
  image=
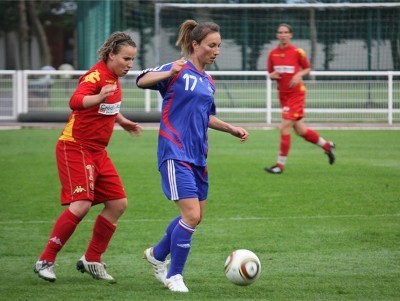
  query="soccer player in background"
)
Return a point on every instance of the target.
[
  {"x": 287, "y": 64},
  {"x": 188, "y": 111},
  {"x": 87, "y": 175}
]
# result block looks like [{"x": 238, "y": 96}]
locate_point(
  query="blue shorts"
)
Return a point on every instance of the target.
[{"x": 182, "y": 180}]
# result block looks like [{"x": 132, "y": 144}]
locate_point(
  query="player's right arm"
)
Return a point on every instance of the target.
[
  {"x": 87, "y": 95},
  {"x": 274, "y": 75},
  {"x": 89, "y": 101},
  {"x": 148, "y": 78}
]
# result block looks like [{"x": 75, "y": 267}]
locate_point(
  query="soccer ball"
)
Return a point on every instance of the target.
[{"x": 242, "y": 267}]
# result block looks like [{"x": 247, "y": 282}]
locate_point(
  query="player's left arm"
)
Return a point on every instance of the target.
[
  {"x": 298, "y": 77},
  {"x": 134, "y": 128},
  {"x": 219, "y": 125},
  {"x": 305, "y": 68}
]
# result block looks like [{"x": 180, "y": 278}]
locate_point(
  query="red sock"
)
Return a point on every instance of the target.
[
  {"x": 62, "y": 231},
  {"x": 311, "y": 136},
  {"x": 285, "y": 145},
  {"x": 103, "y": 230}
]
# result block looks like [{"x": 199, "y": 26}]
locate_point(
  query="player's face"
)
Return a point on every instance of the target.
[
  {"x": 284, "y": 35},
  {"x": 121, "y": 62},
  {"x": 208, "y": 50}
]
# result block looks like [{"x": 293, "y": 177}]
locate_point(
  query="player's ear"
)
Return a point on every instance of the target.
[{"x": 111, "y": 56}]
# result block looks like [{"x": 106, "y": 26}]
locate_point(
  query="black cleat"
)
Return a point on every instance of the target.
[
  {"x": 330, "y": 153},
  {"x": 274, "y": 169}
]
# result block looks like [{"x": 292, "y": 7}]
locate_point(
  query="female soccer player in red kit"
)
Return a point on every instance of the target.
[
  {"x": 87, "y": 175},
  {"x": 287, "y": 64}
]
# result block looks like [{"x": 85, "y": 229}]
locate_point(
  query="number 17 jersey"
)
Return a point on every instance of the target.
[{"x": 188, "y": 102}]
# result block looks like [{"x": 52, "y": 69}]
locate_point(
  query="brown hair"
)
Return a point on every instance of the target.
[
  {"x": 114, "y": 44},
  {"x": 191, "y": 31},
  {"x": 285, "y": 25}
]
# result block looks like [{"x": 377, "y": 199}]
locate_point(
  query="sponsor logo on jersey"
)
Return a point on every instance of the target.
[
  {"x": 284, "y": 69},
  {"x": 92, "y": 77},
  {"x": 109, "y": 108}
]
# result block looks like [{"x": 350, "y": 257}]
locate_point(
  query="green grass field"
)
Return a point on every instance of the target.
[{"x": 321, "y": 232}]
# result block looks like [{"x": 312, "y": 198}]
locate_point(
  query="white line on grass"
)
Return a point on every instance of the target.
[{"x": 236, "y": 218}]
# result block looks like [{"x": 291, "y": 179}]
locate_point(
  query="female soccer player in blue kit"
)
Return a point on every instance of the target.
[{"x": 188, "y": 111}]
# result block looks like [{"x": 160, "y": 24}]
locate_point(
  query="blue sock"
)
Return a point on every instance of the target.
[
  {"x": 163, "y": 248},
  {"x": 181, "y": 242}
]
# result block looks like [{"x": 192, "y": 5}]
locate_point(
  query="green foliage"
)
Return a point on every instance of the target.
[
  {"x": 9, "y": 17},
  {"x": 322, "y": 232}
]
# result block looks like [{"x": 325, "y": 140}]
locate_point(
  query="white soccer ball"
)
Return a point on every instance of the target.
[{"x": 242, "y": 267}]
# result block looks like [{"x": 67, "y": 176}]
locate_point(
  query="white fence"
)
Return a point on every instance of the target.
[{"x": 242, "y": 96}]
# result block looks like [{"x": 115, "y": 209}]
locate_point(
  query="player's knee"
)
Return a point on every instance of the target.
[
  {"x": 80, "y": 208},
  {"x": 192, "y": 219},
  {"x": 123, "y": 204},
  {"x": 118, "y": 206}
]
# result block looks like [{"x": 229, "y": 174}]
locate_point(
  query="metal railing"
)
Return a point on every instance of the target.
[{"x": 242, "y": 96}]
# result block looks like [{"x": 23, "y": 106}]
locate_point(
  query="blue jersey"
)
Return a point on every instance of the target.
[{"x": 188, "y": 102}]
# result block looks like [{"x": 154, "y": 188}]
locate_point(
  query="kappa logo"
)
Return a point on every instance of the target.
[
  {"x": 301, "y": 52},
  {"x": 79, "y": 189},
  {"x": 56, "y": 240},
  {"x": 92, "y": 77}
]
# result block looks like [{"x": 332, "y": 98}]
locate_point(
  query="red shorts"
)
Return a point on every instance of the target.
[
  {"x": 86, "y": 174},
  {"x": 292, "y": 105}
]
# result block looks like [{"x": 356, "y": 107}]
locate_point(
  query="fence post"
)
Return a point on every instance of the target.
[
  {"x": 147, "y": 100},
  {"x": 390, "y": 98},
  {"x": 269, "y": 98}
]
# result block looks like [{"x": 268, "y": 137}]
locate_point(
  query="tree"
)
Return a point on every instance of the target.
[
  {"x": 20, "y": 21},
  {"x": 23, "y": 35},
  {"x": 40, "y": 33},
  {"x": 392, "y": 16},
  {"x": 9, "y": 25}
]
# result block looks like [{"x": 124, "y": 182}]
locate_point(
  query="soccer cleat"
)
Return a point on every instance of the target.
[
  {"x": 175, "y": 284},
  {"x": 274, "y": 169},
  {"x": 96, "y": 269},
  {"x": 160, "y": 267},
  {"x": 330, "y": 153},
  {"x": 45, "y": 270}
]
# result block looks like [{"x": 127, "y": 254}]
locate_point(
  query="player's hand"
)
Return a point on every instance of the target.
[
  {"x": 240, "y": 133},
  {"x": 177, "y": 66},
  {"x": 296, "y": 79},
  {"x": 134, "y": 128},
  {"x": 107, "y": 90},
  {"x": 275, "y": 75}
]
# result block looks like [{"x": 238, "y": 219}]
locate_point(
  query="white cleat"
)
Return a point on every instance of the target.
[
  {"x": 175, "y": 284},
  {"x": 160, "y": 267},
  {"x": 96, "y": 269},
  {"x": 45, "y": 270}
]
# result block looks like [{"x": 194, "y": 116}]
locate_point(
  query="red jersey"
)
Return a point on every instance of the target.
[
  {"x": 92, "y": 127},
  {"x": 288, "y": 61}
]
